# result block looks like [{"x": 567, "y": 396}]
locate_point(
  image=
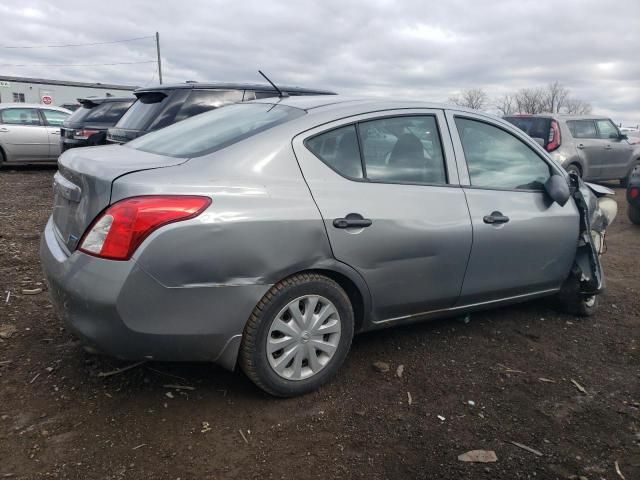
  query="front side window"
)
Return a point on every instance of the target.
[
  {"x": 582, "y": 128},
  {"x": 403, "y": 149},
  {"x": 20, "y": 116},
  {"x": 143, "y": 111},
  {"x": 339, "y": 150},
  {"x": 498, "y": 160},
  {"x": 607, "y": 129},
  {"x": 215, "y": 130},
  {"x": 54, "y": 117}
]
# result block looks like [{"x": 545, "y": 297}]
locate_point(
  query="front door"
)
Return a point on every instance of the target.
[
  {"x": 23, "y": 136},
  {"x": 522, "y": 242},
  {"x": 617, "y": 152},
  {"x": 386, "y": 187}
]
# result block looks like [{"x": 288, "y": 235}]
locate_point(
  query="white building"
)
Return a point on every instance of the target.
[{"x": 55, "y": 92}]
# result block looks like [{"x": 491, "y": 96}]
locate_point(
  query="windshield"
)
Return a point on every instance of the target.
[
  {"x": 215, "y": 130},
  {"x": 142, "y": 112}
]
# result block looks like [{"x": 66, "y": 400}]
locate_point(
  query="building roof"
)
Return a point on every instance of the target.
[{"x": 66, "y": 83}]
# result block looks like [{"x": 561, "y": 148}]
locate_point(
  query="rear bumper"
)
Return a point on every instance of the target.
[{"x": 119, "y": 310}]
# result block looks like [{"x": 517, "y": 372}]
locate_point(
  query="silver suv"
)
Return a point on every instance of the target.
[{"x": 589, "y": 146}]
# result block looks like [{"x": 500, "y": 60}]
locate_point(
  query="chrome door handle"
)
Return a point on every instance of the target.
[
  {"x": 495, "y": 217},
  {"x": 4, "y": 130},
  {"x": 54, "y": 133},
  {"x": 608, "y": 147},
  {"x": 580, "y": 146}
]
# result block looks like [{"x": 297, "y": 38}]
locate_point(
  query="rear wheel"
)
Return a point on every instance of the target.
[
  {"x": 574, "y": 168},
  {"x": 298, "y": 335},
  {"x": 633, "y": 213}
]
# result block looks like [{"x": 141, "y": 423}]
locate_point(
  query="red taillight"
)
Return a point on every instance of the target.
[
  {"x": 120, "y": 229},
  {"x": 84, "y": 133},
  {"x": 554, "y": 137},
  {"x": 634, "y": 192}
]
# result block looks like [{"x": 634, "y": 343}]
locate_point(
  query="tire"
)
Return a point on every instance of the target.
[
  {"x": 575, "y": 303},
  {"x": 280, "y": 372},
  {"x": 574, "y": 168},
  {"x": 625, "y": 181},
  {"x": 633, "y": 213}
]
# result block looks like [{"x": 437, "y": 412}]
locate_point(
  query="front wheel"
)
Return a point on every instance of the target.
[
  {"x": 298, "y": 335},
  {"x": 633, "y": 213},
  {"x": 572, "y": 301},
  {"x": 625, "y": 181}
]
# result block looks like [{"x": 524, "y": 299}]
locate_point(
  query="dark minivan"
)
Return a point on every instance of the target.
[
  {"x": 88, "y": 125},
  {"x": 163, "y": 105}
]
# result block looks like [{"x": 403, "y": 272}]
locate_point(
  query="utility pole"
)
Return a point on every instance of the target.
[{"x": 159, "y": 61}]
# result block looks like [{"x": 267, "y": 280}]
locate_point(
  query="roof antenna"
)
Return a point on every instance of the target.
[{"x": 281, "y": 94}]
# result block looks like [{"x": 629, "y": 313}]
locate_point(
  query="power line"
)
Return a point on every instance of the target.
[
  {"x": 72, "y": 64},
  {"x": 78, "y": 44}
]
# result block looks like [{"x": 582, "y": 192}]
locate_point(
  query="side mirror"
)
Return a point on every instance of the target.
[
  {"x": 557, "y": 189},
  {"x": 623, "y": 136}
]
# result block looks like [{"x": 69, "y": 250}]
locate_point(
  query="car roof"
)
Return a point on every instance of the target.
[
  {"x": 232, "y": 86},
  {"x": 560, "y": 116},
  {"x": 33, "y": 105},
  {"x": 361, "y": 103}
]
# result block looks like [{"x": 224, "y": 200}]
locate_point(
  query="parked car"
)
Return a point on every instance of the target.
[
  {"x": 264, "y": 234},
  {"x": 633, "y": 135},
  {"x": 589, "y": 146},
  {"x": 163, "y": 105},
  {"x": 88, "y": 125},
  {"x": 633, "y": 197},
  {"x": 30, "y": 133},
  {"x": 71, "y": 106}
]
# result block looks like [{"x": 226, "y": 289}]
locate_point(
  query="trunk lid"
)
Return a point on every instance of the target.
[{"x": 82, "y": 185}]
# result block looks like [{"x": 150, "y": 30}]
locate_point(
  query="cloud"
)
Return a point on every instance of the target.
[{"x": 413, "y": 48}]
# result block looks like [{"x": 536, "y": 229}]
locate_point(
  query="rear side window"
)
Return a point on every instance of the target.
[
  {"x": 582, "y": 128},
  {"x": 403, "y": 149},
  {"x": 215, "y": 130},
  {"x": 498, "y": 160},
  {"x": 200, "y": 101},
  {"x": 54, "y": 117},
  {"x": 108, "y": 112},
  {"x": 339, "y": 150},
  {"x": 20, "y": 116}
]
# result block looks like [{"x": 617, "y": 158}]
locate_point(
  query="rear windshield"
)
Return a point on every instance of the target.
[
  {"x": 108, "y": 112},
  {"x": 535, "y": 127},
  {"x": 143, "y": 111},
  {"x": 215, "y": 130}
]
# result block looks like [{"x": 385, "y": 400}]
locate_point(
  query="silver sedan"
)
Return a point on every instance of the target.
[
  {"x": 263, "y": 235},
  {"x": 30, "y": 133}
]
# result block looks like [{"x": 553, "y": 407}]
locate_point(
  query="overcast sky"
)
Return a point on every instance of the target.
[{"x": 412, "y": 48}]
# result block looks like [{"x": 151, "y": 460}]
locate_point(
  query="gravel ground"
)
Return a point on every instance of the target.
[{"x": 506, "y": 376}]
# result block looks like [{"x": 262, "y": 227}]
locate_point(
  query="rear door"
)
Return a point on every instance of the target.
[
  {"x": 522, "y": 242},
  {"x": 23, "y": 136},
  {"x": 387, "y": 188},
  {"x": 53, "y": 120},
  {"x": 617, "y": 152}
]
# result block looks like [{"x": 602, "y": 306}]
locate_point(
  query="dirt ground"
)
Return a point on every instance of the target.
[{"x": 506, "y": 376}]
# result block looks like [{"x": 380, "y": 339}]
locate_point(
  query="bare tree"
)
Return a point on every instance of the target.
[
  {"x": 555, "y": 97},
  {"x": 475, "y": 98},
  {"x": 530, "y": 100},
  {"x": 506, "y": 105},
  {"x": 575, "y": 106}
]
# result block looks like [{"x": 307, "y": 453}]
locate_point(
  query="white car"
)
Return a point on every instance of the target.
[{"x": 30, "y": 133}]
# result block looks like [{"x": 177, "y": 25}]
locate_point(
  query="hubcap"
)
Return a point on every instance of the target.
[
  {"x": 303, "y": 337},
  {"x": 590, "y": 301}
]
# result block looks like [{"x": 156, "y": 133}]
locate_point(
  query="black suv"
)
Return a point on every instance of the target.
[
  {"x": 633, "y": 196},
  {"x": 88, "y": 125},
  {"x": 163, "y": 105}
]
